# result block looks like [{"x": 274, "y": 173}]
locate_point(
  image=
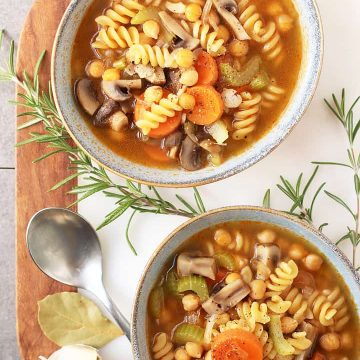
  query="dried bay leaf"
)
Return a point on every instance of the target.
[{"x": 69, "y": 318}]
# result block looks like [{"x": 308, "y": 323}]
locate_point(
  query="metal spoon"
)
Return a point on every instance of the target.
[{"x": 66, "y": 248}]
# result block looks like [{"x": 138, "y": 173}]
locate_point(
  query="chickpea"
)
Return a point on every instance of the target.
[
  {"x": 232, "y": 277},
  {"x": 208, "y": 355},
  {"x": 222, "y": 237},
  {"x": 214, "y": 18},
  {"x": 246, "y": 274},
  {"x": 111, "y": 74},
  {"x": 266, "y": 236},
  {"x": 274, "y": 8},
  {"x": 313, "y": 262},
  {"x": 330, "y": 342},
  {"x": 258, "y": 289},
  {"x": 95, "y": 69},
  {"x": 194, "y": 350},
  {"x": 187, "y": 101},
  {"x": 153, "y": 94},
  {"x": 184, "y": 58},
  {"x": 193, "y": 12},
  {"x": 297, "y": 252},
  {"x": 181, "y": 354},
  {"x": 189, "y": 77},
  {"x": 284, "y": 22},
  {"x": 190, "y": 302},
  {"x": 239, "y": 48},
  {"x": 288, "y": 324},
  {"x": 346, "y": 340},
  {"x": 223, "y": 319},
  {"x": 151, "y": 29},
  {"x": 223, "y": 33}
]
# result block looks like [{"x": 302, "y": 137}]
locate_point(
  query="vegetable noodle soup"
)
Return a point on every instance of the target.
[
  {"x": 247, "y": 290},
  {"x": 185, "y": 84}
]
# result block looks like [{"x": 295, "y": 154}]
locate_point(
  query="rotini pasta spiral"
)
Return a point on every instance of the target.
[
  {"x": 261, "y": 333},
  {"x": 299, "y": 305},
  {"x": 284, "y": 276},
  {"x": 277, "y": 305},
  {"x": 251, "y": 314},
  {"x": 322, "y": 308},
  {"x": 162, "y": 347},
  {"x": 271, "y": 94},
  {"x": 113, "y": 39},
  {"x": 245, "y": 119},
  {"x": 119, "y": 13},
  {"x": 299, "y": 342},
  {"x": 206, "y": 35},
  {"x": 338, "y": 301},
  {"x": 158, "y": 113},
  {"x": 267, "y": 35},
  {"x": 269, "y": 351},
  {"x": 154, "y": 55}
]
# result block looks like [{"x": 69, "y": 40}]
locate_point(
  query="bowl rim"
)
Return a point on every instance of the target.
[
  {"x": 255, "y": 209},
  {"x": 236, "y": 168}
]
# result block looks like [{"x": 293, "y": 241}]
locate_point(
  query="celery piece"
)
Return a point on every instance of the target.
[
  {"x": 260, "y": 81},
  {"x": 156, "y": 302},
  {"x": 231, "y": 77},
  {"x": 281, "y": 345},
  {"x": 171, "y": 283},
  {"x": 188, "y": 333},
  {"x": 226, "y": 261},
  {"x": 196, "y": 284},
  {"x": 148, "y": 13},
  {"x": 218, "y": 131}
]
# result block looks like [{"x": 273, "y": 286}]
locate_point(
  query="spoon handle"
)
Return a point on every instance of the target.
[{"x": 98, "y": 289}]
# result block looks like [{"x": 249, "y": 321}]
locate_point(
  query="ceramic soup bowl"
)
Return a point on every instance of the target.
[
  {"x": 86, "y": 140},
  {"x": 240, "y": 213}
]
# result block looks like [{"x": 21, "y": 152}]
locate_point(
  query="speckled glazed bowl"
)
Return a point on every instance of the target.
[
  {"x": 240, "y": 213},
  {"x": 61, "y": 81}
]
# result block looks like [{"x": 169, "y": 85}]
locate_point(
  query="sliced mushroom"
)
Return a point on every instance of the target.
[
  {"x": 173, "y": 139},
  {"x": 227, "y": 10},
  {"x": 158, "y": 77},
  {"x": 118, "y": 90},
  {"x": 201, "y": 265},
  {"x": 226, "y": 298},
  {"x": 210, "y": 146},
  {"x": 173, "y": 80},
  {"x": 312, "y": 333},
  {"x": 190, "y": 155},
  {"x": 175, "y": 7},
  {"x": 101, "y": 118},
  {"x": 171, "y": 25},
  {"x": 86, "y": 96},
  {"x": 269, "y": 255},
  {"x": 189, "y": 129},
  {"x": 118, "y": 121}
]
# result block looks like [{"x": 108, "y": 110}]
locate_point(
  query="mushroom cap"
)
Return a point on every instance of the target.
[
  {"x": 191, "y": 155},
  {"x": 86, "y": 96},
  {"x": 101, "y": 118},
  {"x": 171, "y": 25},
  {"x": 118, "y": 90}
]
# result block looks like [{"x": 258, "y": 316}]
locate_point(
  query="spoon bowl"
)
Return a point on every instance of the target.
[{"x": 66, "y": 248}]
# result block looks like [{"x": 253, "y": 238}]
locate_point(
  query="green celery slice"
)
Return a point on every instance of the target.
[
  {"x": 226, "y": 261},
  {"x": 260, "y": 81},
  {"x": 231, "y": 77},
  {"x": 171, "y": 283},
  {"x": 188, "y": 333},
  {"x": 276, "y": 334},
  {"x": 156, "y": 301},
  {"x": 196, "y": 284}
]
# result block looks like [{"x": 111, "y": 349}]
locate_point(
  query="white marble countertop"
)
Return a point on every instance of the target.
[{"x": 317, "y": 137}]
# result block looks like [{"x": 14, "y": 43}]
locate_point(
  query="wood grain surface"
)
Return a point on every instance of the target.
[{"x": 33, "y": 182}]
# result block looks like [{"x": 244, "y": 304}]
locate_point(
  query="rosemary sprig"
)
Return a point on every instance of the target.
[
  {"x": 351, "y": 127},
  {"x": 128, "y": 195},
  {"x": 300, "y": 207}
]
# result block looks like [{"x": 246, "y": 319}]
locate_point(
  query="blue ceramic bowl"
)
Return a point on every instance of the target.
[
  {"x": 239, "y": 213},
  {"x": 86, "y": 140}
]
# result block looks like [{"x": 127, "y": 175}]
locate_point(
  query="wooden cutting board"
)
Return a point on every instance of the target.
[{"x": 33, "y": 182}]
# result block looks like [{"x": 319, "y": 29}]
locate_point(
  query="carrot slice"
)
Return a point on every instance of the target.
[
  {"x": 318, "y": 356},
  {"x": 207, "y": 69},
  {"x": 209, "y": 105},
  {"x": 164, "y": 129},
  {"x": 237, "y": 344}
]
